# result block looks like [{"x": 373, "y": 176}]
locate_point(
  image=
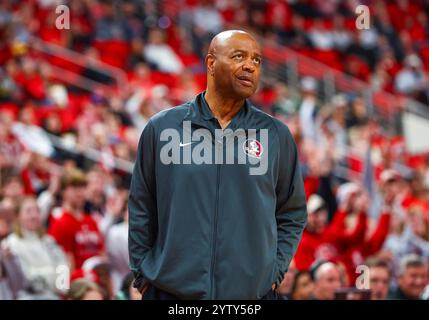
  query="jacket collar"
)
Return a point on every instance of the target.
[{"x": 200, "y": 113}]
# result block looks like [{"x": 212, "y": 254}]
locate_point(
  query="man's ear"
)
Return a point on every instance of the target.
[{"x": 210, "y": 61}]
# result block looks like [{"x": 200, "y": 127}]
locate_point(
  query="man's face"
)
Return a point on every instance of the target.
[
  {"x": 75, "y": 196},
  {"x": 317, "y": 220},
  {"x": 304, "y": 287},
  {"x": 236, "y": 66},
  {"x": 328, "y": 283},
  {"x": 13, "y": 189},
  {"x": 392, "y": 188},
  {"x": 379, "y": 283},
  {"x": 95, "y": 183},
  {"x": 413, "y": 281}
]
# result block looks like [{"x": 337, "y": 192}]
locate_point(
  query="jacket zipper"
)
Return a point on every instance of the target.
[{"x": 213, "y": 259}]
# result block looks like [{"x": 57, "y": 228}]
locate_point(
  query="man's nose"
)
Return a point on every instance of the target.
[{"x": 248, "y": 66}]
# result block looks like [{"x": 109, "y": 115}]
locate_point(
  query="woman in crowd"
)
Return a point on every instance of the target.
[
  {"x": 302, "y": 286},
  {"x": 42, "y": 260}
]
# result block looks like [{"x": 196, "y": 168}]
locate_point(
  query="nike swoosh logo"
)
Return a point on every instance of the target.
[{"x": 185, "y": 144}]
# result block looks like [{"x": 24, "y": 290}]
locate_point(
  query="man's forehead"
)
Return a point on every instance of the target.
[{"x": 234, "y": 41}]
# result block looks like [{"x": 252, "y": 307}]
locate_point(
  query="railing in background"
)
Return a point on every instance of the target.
[
  {"x": 80, "y": 61},
  {"x": 382, "y": 105}
]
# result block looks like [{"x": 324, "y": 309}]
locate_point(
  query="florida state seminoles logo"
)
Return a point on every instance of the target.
[{"x": 253, "y": 148}]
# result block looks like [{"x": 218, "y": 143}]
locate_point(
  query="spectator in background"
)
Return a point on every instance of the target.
[
  {"x": 302, "y": 287},
  {"x": 412, "y": 236},
  {"x": 337, "y": 123},
  {"x": 158, "y": 52},
  {"x": 296, "y": 36},
  {"x": 49, "y": 198},
  {"x": 136, "y": 53},
  {"x": 321, "y": 37},
  {"x": 117, "y": 248},
  {"x": 284, "y": 105},
  {"x": 103, "y": 208},
  {"x": 313, "y": 235},
  {"x": 101, "y": 268},
  {"x": 12, "y": 279},
  {"x": 12, "y": 190},
  {"x": 323, "y": 241},
  {"x": 74, "y": 230},
  {"x": 412, "y": 278},
  {"x": 326, "y": 8},
  {"x": 327, "y": 280},
  {"x": 83, "y": 289},
  {"x": 358, "y": 114},
  {"x": 341, "y": 36},
  {"x": 37, "y": 252},
  {"x": 308, "y": 108},
  {"x": 95, "y": 197},
  {"x": 207, "y": 18},
  {"x": 379, "y": 278},
  {"x": 110, "y": 25},
  {"x": 411, "y": 79},
  {"x": 6, "y": 217},
  {"x": 140, "y": 109}
]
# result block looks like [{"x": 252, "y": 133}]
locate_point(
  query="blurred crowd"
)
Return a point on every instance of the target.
[{"x": 63, "y": 214}]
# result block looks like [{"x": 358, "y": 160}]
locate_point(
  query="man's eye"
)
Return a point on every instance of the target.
[
  {"x": 257, "y": 60},
  {"x": 238, "y": 56}
]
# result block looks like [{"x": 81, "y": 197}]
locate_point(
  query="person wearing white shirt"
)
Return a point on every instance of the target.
[{"x": 41, "y": 259}]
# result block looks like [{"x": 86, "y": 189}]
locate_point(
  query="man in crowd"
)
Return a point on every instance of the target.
[
  {"x": 73, "y": 229},
  {"x": 379, "y": 278},
  {"x": 327, "y": 280},
  {"x": 412, "y": 278}
]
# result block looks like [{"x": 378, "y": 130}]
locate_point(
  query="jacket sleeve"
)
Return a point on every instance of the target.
[
  {"x": 291, "y": 209},
  {"x": 142, "y": 209}
]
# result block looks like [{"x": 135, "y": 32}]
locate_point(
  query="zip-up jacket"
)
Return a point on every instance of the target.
[{"x": 213, "y": 229}]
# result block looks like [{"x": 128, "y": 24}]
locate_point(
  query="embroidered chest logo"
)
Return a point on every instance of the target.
[{"x": 253, "y": 148}]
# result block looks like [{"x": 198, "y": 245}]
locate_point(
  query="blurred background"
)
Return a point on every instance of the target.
[{"x": 73, "y": 103}]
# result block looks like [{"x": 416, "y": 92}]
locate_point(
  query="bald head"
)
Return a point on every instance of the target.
[
  {"x": 233, "y": 64},
  {"x": 223, "y": 39},
  {"x": 327, "y": 280}
]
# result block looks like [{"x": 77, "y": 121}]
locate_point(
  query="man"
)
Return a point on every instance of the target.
[
  {"x": 379, "y": 278},
  {"x": 74, "y": 230},
  {"x": 313, "y": 236},
  {"x": 308, "y": 109},
  {"x": 327, "y": 280},
  {"x": 412, "y": 278},
  {"x": 200, "y": 228}
]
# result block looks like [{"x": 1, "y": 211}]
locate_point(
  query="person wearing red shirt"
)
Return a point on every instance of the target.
[
  {"x": 337, "y": 241},
  {"x": 76, "y": 231},
  {"x": 322, "y": 241}
]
